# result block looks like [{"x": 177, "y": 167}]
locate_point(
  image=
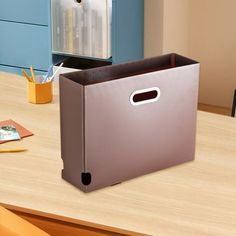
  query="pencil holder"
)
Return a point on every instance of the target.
[{"x": 39, "y": 93}]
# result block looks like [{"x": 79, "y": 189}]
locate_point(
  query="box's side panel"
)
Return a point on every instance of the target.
[
  {"x": 182, "y": 61},
  {"x": 123, "y": 140},
  {"x": 71, "y": 123}
]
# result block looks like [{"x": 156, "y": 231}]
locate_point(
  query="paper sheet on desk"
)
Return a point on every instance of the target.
[{"x": 23, "y": 132}]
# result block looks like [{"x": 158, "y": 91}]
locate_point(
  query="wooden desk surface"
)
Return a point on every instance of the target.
[{"x": 196, "y": 198}]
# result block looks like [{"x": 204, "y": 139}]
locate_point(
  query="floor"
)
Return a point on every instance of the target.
[{"x": 214, "y": 109}]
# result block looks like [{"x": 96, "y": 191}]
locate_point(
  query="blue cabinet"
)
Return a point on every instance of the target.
[
  {"x": 27, "y": 28},
  {"x": 127, "y": 30},
  {"x": 25, "y": 35},
  {"x": 23, "y": 45},
  {"x": 26, "y": 11}
]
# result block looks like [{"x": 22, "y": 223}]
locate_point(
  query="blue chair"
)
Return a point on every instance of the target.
[{"x": 233, "y": 114}]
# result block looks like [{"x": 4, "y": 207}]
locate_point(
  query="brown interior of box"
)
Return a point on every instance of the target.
[
  {"x": 84, "y": 63},
  {"x": 108, "y": 73}
]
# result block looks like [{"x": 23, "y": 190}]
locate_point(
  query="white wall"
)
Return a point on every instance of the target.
[{"x": 201, "y": 29}]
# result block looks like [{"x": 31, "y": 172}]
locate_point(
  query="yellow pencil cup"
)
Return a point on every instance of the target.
[{"x": 39, "y": 93}]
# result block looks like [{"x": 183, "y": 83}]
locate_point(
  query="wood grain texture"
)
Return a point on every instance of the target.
[
  {"x": 196, "y": 198},
  {"x": 57, "y": 227},
  {"x": 11, "y": 224}
]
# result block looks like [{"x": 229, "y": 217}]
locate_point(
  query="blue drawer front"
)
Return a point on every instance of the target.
[
  {"x": 28, "y": 11},
  {"x": 24, "y": 45},
  {"x": 127, "y": 30}
]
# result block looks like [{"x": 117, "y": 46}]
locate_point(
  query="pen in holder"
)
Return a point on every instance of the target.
[
  {"x": 40, "y": 87},
  {"x": 39, "y": 93}
]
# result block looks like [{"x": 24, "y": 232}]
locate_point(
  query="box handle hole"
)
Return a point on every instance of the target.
[
  {"x": 86, "y": 178},
  {"x": 145, "y": 96}
]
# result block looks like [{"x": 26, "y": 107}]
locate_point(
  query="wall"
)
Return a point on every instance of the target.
[
  {"x": 201, "y": 29},
  {"x": 212, "y": 41},
  {"x": 166, "y": 27},
  {"x": 175, "y": 26},
  {"x": 153, "y": 27}
]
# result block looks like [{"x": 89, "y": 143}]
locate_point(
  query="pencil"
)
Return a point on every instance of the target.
[
  {"x": 12, "y": 150},
  {"x": 32, "y": 73},
  {"x": 26, "y": 75}
]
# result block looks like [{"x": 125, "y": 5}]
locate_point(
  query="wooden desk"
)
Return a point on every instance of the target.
[{"x": 196, "y": 198}]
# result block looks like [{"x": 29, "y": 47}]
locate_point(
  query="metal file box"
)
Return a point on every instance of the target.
[{"x": 122, "y": 121}]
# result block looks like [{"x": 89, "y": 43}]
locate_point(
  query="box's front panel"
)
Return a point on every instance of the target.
[{"x": 140, "y": 124}]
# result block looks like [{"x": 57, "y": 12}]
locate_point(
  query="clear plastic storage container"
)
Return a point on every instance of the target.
[{"x": 82, "y": 27}]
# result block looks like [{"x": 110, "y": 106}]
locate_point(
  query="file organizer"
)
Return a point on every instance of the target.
[{"x": 123, "y": 121}]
